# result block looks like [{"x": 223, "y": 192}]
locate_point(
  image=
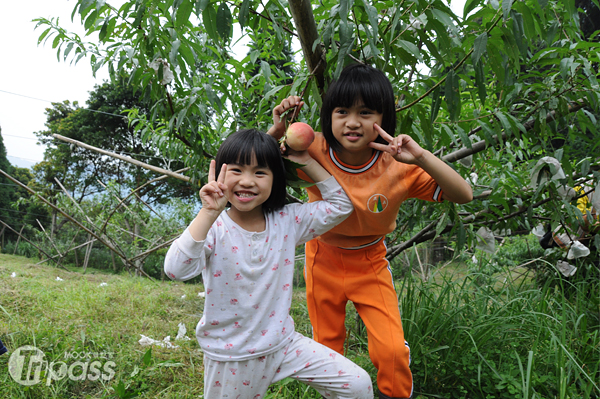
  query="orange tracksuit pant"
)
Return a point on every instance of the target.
[{"x": 335, "y": 276}]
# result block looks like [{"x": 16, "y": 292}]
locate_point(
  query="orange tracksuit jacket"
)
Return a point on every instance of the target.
[{"x": 348, "y": 263}]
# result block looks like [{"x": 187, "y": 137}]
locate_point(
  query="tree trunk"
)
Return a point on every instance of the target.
[{"x": 306, "y": 27}]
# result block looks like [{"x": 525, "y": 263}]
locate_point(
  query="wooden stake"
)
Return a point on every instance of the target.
[
  {"x": 123, "y": 158},
  {"x": 18, "y": 239}
]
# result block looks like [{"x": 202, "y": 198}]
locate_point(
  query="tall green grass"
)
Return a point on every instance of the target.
[
  {"x": 472, "y": 334},
  {"x": 501, "y": 340}
]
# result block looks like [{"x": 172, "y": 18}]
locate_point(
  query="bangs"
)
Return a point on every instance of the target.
[
  {"x": 359, "y": 87},
  {"x": 247, "y": 149}
]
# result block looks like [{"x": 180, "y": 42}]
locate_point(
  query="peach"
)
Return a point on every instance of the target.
[{"x": 299, "y": 136}]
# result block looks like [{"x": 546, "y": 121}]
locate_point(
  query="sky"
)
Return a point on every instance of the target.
[{"x": 31, "y": 76}]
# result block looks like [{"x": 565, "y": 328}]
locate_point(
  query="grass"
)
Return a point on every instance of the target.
[{"x": 473, "y": 334}]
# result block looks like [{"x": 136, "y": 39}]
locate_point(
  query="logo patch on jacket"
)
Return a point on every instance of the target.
[{"x": 377, "y": 203}]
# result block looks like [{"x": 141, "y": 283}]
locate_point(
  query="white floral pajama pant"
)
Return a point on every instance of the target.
[{"x": 330, "y": 373}]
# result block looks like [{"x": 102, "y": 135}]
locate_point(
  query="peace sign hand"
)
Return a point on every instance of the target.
[
  {"x": 212, "y": 194},
  {"x": 403, "y": 148}
]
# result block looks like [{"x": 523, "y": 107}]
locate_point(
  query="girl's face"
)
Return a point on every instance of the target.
[
  {"x": 353, "y": 128},
  {"x": 248, "y": 186}
]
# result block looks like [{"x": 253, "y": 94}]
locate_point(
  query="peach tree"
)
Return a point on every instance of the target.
[{"x": 505, "y": 91}]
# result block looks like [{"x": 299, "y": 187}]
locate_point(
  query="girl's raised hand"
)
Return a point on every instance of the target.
[
  {"x": 212, "y": 194},
  {"x": 278, "y": 128},
  {"x": 403, "y": 148}
]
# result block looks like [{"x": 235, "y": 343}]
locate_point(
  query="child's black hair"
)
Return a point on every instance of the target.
[
  {"x": 242, "y": 147},
  {"x": 359, "y": 82}
]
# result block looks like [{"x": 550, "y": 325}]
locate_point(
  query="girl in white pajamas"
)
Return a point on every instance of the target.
[{"x": 246, "y": 256}]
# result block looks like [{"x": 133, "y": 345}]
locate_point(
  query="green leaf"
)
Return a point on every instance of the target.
[
  {"x": 470, "y": 6},
  {"x": 372, "y": 14},
  {"x": 243, "y": 13},
  {"x": 436, "y": 102},
  {"x": 43, "y": 35},
  {"x": 68, "y": 50},
  {"x": 480, "y": 82},
  {"x": 139, "y": 14},
  {"x": 464, "y": 138},
  {"x": 224, "y": 22},
  {"x": 505, "y": 124},
  {"x": 411, "y": 48},
  {"x": 405, "y": 123},
  {"x": 479, "y": 47},
  {"x": 488, "y": 132},
  {"x": 201, "y": 6},
  {"x": 506, "y": 7},
  {"x": 519, "y": 32},
  {"x": 90, "y": 20},
  {"x": 265, "y": 69},
  {"x": 343, "y": 9},
  {"x": 183, "y": 13},
  {"x": 585, "y": 167},
  {"x": 444, "y": 18},
  {"x": 174, "y": 51},
  {"x": 441, "y": 225},
  {"x": 452, "y": 92},
  {"x": 147, "y": 357},
  {"x": 461, "y": 237},
  {"x": 209, "y": 19},
  {"x": 103, "y": 30}
]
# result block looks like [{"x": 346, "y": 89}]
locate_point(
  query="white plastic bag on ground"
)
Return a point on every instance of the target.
[
  {"x": 165, "y": 343},
  {"x": 181, "y": 333}
]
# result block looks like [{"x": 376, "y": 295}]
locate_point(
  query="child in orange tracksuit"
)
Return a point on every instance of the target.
[{"x": 378, "y": 172}]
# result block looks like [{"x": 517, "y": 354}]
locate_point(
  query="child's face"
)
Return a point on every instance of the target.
[
  {"x": 353, "y": 127},
  {"x": 248, "y": 186}
]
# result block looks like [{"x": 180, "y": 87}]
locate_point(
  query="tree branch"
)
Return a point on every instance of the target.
[{"x": 306, "y": 27}]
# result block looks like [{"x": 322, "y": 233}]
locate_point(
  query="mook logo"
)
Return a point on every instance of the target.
[{"x": 27, "y": 366}]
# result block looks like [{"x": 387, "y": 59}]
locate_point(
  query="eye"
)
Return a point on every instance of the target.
[
  {"x": 340, "y": 111},
  {"x": 234, "y": 169},
  {"x": 261, "y": 172}
]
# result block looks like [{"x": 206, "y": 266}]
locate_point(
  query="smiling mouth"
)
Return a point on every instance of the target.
[
  {"x": 241, "y": 194},
  {"x": 352, "y": 134}
]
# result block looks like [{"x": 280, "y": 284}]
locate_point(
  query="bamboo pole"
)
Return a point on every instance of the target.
[
  {"x": 148, "y": 252},
  {"x": 48, "y": 237},
  {"x": 123, "y": 158},
  {"x": 69, "y": 217},
  {"x": 88, "y": 251},
  {"x": 18, "y": 239},
  {"x": 24, "y": 238},
  {"x": 133, "y": 192},
  {"x": 72, "y": 249}
]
